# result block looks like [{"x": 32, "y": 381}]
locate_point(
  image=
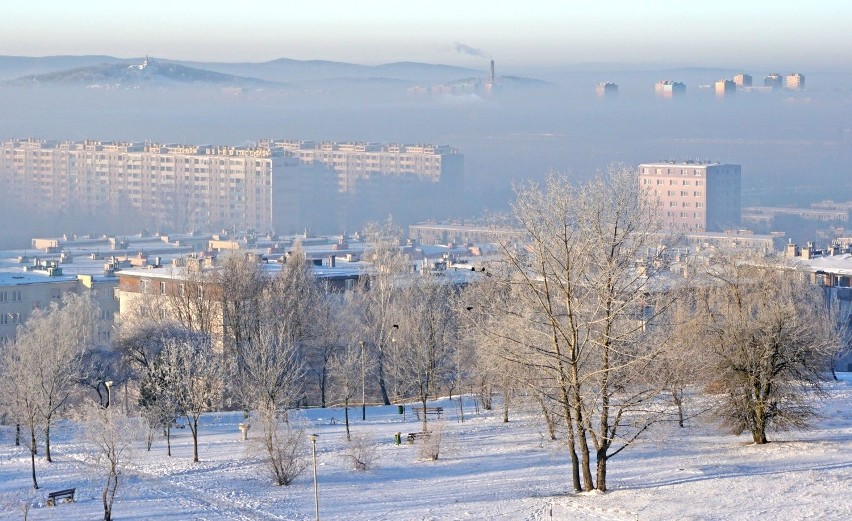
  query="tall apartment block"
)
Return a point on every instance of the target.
[
  {"x": 347, "y": 184},
  {"x": 694, "y": 196},
  {"x": 164, "y": 185},
  {"x": 725, "y": 88},
  {"x": 794, "y": 81},
  {"x": 606, "y": 89},
  {"x": 773, "y": 80},
  {"x": 669, "y": 89},
  {"x": 742, "y": 80},
  {"x": 284, "y": 186}
]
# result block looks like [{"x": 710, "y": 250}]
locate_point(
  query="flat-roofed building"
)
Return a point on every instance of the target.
[
  {"x": 176, "y": 186},
  {"x": 773, "y": 81},
  {"x": 694, "y": 196},
  {"x": 794, "y": 81},
  {"x": 742, "y": 80},
  {"x": 725, "y": 88},
  {"x": 606, "y": 89},
  {"x": 669, "y": 89}
]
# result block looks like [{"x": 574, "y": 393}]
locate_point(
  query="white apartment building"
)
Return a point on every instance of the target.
[
  {"x": 277, "y": 185},
  {"x": 694, "y": 196},
  {"x": 167, "y": 185}
]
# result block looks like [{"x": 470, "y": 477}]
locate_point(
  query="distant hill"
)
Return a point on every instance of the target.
[
  {"x": 285, "y": 69},
  {"x": 147, "y": 73},
  {"x": 12, "y": 67},
  {"x": 111, "y": 72}
]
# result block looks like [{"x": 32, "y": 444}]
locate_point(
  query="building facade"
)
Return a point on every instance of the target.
[
  {"x": 669, "y": 89},
  {"x": 694, "y": 196},
  {"x": 794, "y": 81},
  {"x": 725, "y": 88},
  {"x": 606, "y": 89},
  {"x": 283, "y": 186},
  {"x": 331, "y": 187},
  {"x": 742, "y": 80},
  {"x": 165, "y": 185},
  {"x": 773, "y": 81}
]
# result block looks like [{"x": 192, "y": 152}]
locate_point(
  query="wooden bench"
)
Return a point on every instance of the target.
[
  {"x": 434, "y": 411},
  {"x": 67, "y": 494},
  {"x": 413, "y": 436}
]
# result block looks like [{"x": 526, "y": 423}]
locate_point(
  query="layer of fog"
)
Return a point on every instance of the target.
[{"x": 794, "y": 147}]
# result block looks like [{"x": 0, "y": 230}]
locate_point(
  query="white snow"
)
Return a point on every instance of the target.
[{"x": 487, "y": 470}]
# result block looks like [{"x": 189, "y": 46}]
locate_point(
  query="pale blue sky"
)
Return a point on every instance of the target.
[{"x": 792, "y": 35}]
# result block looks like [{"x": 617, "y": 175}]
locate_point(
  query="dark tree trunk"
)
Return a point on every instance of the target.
[
  {"x": 423, "y": 403},
  {"x": 346, "y": 418},
  {"x": 382, "y": 386},
  {"x": 47, "y": 441},
  {"x": 323, "y": 379},
  {"x": 33, "y": 450},
  {"x": 601, "y": 474},
  {"x": 194, "y": 429},
  {"x": 17, "y": 435},
  {"x": 506, "y": 394}
]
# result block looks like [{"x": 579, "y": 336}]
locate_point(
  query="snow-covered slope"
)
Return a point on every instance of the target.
[{"x": 486, "y": 470}]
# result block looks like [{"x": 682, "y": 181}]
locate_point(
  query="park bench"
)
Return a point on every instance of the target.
[
  {"x": 67, "y": 494},
  {"x": 433, "y": 411},
  {"x": 413, "y": 436}
]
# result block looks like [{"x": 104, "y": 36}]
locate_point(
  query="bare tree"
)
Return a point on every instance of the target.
[
  {"x": 577, "y": 281},
  {"x": 111, "y": 434},
  {"x": 421, "y": 355},
  {"x": 58, "y": 336},
  {"x": 771, "y": 336},
  {"x": 374, "y": 296},
  {"x": 197, "y": 379},
  {"x": 283, "y": 446},
  {"x": 159, "y": 382},
  {"x": 19, "y": 392},
  {"x": 242, "y": 280},
  {"x": 345, "y": 375},
  {"x": 360, "y": 452}
]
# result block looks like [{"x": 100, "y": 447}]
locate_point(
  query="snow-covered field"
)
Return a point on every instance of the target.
[{"x": 486, "y": 470}]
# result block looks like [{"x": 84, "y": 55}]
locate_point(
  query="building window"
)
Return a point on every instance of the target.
[
  {"x": 162, "y": 288},
  {"x": 16, "y": 295},
  {"x": 143, "y": 285},
  {"x": 697, "y": 193},
  {"x": 3, "y": 296}
]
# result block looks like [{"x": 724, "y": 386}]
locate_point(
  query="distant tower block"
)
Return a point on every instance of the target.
[
  {"x": 725, "y": 88},
  {"x": 606, "y": 89},
  {"x": 742, "y": 80},
  {"x": 773, "y": 80},
  {"x": 795, "y": 81},
  {"x": 669, "y": 89}
]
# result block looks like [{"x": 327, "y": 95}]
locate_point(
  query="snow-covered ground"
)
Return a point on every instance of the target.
[{"x": 486, "y": 470}]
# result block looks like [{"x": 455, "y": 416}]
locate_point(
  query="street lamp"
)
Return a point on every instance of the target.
[
  {"x": 363, "y": 382},
  {"x": 316, "y": 488},
  {"x": 108, "y": 384}
]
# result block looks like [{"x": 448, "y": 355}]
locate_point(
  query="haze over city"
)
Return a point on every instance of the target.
[{"x": 358, "y": 260}]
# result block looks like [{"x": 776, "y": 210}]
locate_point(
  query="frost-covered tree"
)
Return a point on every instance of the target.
[
  {"x": 771, "y": 337},
  {"x": 56, "y": 340},
  {"x": 576, "y": 279},
  {"x": 373, "y": 298},
  {"x": 110, "y": 434},
  {"x": 421, "y": 353}
]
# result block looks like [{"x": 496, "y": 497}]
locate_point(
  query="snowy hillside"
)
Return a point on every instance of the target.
[
  {"x": 486, "y": 470},
  {"x": 146, "y": 73}
]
